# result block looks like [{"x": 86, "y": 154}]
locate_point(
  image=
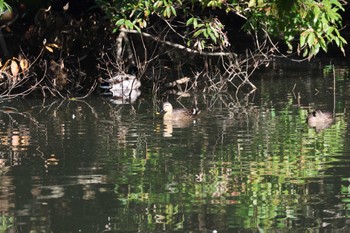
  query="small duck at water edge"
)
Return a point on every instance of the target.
[{"x": 320, "y": 120}]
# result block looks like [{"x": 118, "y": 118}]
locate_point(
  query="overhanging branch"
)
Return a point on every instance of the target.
[{"x": 179, "y": 46}]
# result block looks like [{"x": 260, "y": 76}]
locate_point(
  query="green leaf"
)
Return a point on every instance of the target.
[
  {"x": 251, "y": 3},
  {"x": 205, "y": 33},
  {"x": 311, "y": 39},
  {"x": 323, "y": 44},
  {"x": 337, "y": 4},
  {"x": 189, "y": 21},
  {"x": 147, "y": 12},
  {"x": 303, "y": 38},
  {"x": 336, "y": 39},
  {"x": 330, "y": 30},
  {"x": 167, "y": 12},
  {"x": 197, "y": 33},
  {"x": 317, "y": 12},
  {"x": 306, "y": 51},
  {"x": 195, "y": 23},
  {"x": 157, "y": 4},
  {"x": 316, "y": 49},
  {"x": 137, "y": 29},
  {"x": 173, "y": 10},
  {"x": 120, "y": 22},
  {"x": 211, "y": 34},
  {"x": 147, "y": 4},
  {"x": 216, "y": 34},
  {"x": 200, "y": 25},
  {"x": 203, "y": 44},
  {"x": 129, "y": 24},
  {"x": 343, "y": 40}
]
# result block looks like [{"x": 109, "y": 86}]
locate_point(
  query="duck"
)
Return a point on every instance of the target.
[
  {"x": 320, "y": 120},
  {"x": 180, "y": 114},
  {"x": 177, "y": 118},
  {"x": 122, "y": 86}
]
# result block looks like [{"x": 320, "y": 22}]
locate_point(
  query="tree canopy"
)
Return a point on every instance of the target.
[{"x": 304, "y": 26}]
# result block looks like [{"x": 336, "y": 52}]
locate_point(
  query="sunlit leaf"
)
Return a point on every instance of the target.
[
  {"x": 24, "y": 64},
  {"x": 205, "y": 33},
  {"x": 343, "y": 40},
  {"x": 251, "y": 3},
  {"x": 129, "y": 24},
  {"x": 120, "y": 22},
  {"x": 14, "y": 68},
  {"x": 173, "y": 10},
  {"x": 302, "y": 39},
  {"x": 53, "y": 45},
  {"x": 189, "y": 21},
  {"x": 167, "y": 12},
  {"x": 316, "y": 49},
  {"x": 211, "y": 34},
  {"x": 157, "y": 4},
  {"x": 306, "y": 51},
  {"x": 195, "y": 22},
  {"x": 48, "y": 48},
  {"x": 311, "y": 39},
  {"x": 336, "y": 39},
  {"x": 198, "y": 32}
]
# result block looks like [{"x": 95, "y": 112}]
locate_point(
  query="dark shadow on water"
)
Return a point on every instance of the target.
[{"x": 246, "y": 164}]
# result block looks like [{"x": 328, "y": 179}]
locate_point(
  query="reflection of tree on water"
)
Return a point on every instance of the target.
[
  {"x": 240, "y": 161},
  {"x": 15, "y": 138},
  {"x": 43, "y": 173}
]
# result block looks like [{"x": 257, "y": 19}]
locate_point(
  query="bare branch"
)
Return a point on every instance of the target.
[{"x": 179, "y": 46}]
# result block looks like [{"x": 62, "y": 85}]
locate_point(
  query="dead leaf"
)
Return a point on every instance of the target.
[
  {"x": 14, "y": 68},
  {"x": 49, "y": 49},
  {"x": 54, "y": 45},
  {"x": 24, "y": 64},
  {"x": 66, "y": 7}
]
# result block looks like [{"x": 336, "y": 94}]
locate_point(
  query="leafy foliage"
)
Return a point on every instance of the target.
[
  {"x": 316, "y": 23},
  {"x": 305, "y": 26},
  {"x": 3, "y": 6}
]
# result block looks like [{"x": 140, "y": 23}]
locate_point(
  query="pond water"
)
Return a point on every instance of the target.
[{"x": 248, "y": 164}]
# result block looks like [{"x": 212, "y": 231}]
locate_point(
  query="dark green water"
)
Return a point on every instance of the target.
[{"x": 249, "y": 164}]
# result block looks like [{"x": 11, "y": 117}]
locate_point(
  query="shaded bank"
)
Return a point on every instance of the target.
[{"x": 71, "y": 49}]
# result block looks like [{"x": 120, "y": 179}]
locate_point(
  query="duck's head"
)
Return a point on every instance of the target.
[{"x": 167, "y": 107}]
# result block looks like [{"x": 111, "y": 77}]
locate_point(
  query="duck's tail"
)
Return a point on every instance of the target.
[{"x": 195, "y": 111}]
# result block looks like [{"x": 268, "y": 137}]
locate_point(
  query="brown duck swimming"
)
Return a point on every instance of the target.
[
  {"x": 320, "y": 120},
  {"x": 178, "y": 115},
  {"x": 177, "y": 118}
]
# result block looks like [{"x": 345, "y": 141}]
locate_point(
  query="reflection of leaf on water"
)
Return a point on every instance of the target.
[{"x": 27, "y": 126}]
